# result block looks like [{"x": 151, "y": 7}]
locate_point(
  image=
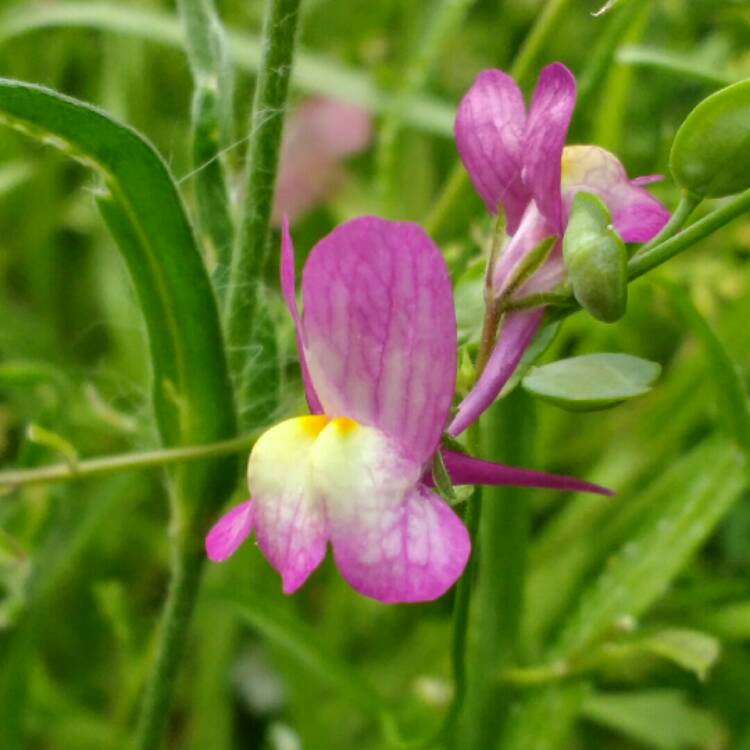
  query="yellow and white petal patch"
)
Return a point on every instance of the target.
[
  {"x": 359, "y": 470},
  {"x": 290, "y": 519}
]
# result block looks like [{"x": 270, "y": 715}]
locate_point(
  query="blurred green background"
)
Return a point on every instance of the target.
[{"x": 83, "y": 565}]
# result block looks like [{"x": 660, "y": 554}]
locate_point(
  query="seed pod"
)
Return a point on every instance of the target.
[
  {"x": 711, "y": 152},
  {"x": 596, "y": 259}
]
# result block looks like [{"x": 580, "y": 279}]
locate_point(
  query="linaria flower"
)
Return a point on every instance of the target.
[
  {"x": 318, "y": 136},
  {"x": 519, "y": 161},
  {"x": 377, "y": 348}
]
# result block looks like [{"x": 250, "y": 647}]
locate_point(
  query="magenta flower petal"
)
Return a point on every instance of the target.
[
  {"x": 414, "y": 552},
  {"x": 532, "y": 230},
  {"x": 289, "y": 292},
  {"x": 380, "y": 330},
  {"x": 517, "y": 332},
  {"x": 489, "y": 135},
  {"x": 636, "y": 215},
  {"x": 229, "y": 532},
  {"x": 469, "y": 470},
  {"x": 318, "y": 135},
  {"x": 549, "y": 117}
]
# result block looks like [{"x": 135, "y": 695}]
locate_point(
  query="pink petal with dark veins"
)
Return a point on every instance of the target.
[
  {"x": 288, "y": 290},
  {"x": 380, "y": 330},
  {"x": 546, "y": 128},
  {"x": 489, "y": 136}
]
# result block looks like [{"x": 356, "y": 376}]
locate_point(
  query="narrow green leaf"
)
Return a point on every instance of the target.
[
  {"x": 637, "y": 575},
  {"x": 592, "y": 381},
  {"x": 690, "y": 649},
  {"x": 730, "y": 392},
  {"x": 544, "y": 721},
  {"x": 681, "y": 66},
  {"x": 213, "y": 124},
  {"x": 659, "y": 719},
  {"x": 192, "y": 394}
]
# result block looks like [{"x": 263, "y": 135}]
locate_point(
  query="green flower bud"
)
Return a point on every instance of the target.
[
  {"x": 711, "y": 151},
  {"x": 596, "y": 259}
]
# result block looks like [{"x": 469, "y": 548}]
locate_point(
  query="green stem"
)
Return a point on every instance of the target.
[
  {"x": 93, "y": 467},
  {"x": 187, "y": 563},
  {"x": 461, "y": 607},
  {"x": 251, "y": 252},
  {"x": 547, "y": 23},
  {"x": 212, "y": 116},
  {"x": 644, "y": 262},
  {"x": 458, "y": 181},
  {"x": 503, "y": 541}
]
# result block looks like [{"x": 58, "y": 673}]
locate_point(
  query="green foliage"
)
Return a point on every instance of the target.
[
  {"x": 587, "y": 622},
  {"x": 709, "y": 153},
  {"x": 592, "y": 381}
]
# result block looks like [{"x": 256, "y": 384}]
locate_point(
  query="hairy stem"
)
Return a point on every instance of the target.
[
  {"x": 187, "y": 563},
  {"x": 251, "y": 253}
]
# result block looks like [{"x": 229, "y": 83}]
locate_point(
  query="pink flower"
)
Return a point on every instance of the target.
[
  {"x": 518, "y": 160},
  {"x": 377, "y": 348},
  {"x": 318, "y": 136}
]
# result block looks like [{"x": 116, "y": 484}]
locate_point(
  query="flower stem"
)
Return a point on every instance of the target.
[
  {"x": 93, "y": 467},
  {"x": 461, "y": 605},
  {"x": 187, "y": 563},
  {"x": 503, "y": 539},
  {"x": 250, "y": 254}
]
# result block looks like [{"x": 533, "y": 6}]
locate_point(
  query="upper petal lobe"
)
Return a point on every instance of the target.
[
  {"x": 549, "y": 117},
  {"x": 489, "y": 135},
  {"x": 380, "y": 330}
]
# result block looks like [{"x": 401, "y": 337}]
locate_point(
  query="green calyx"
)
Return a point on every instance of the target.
[{"x": 596, "y": 259}]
